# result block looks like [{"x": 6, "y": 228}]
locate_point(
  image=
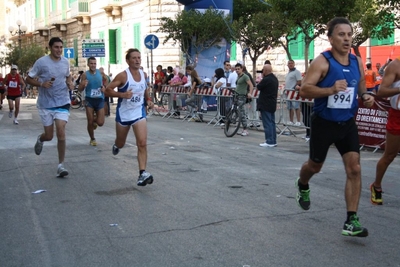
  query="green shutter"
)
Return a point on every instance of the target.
[
  {"x": 137, "y": 36},
  {"x": 118, "y": 51},
  {"x": 297, "y": 47},
  {"x": 70, "y": 2},
  {"x": 102, "y": 59},
  {"x": 64, "y": 9},
  {"x": 37, "y": 8},
  {"x": 233, "y": 51},
  {"x": 112, "y": 42},
  {"x": 76, "y": 52},
  {"x": 53, "y": 5}
]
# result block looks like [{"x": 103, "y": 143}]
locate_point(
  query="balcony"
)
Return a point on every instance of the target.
[
  {"x": 113, "y": 8},
  {"x": 80, "y": 10}
]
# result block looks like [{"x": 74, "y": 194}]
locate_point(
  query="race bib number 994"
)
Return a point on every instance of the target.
[{"x": 342, "y": 100}]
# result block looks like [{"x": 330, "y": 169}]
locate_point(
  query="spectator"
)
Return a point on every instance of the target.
[
  {"x": 251, "y": 108},
  {"x": 370, "y": 77},
  {"x": 191, "y": 101},
  {"x": 293, "y": 81},
  {"x": 382, "y": 69},
  {"x": 378, "y": 77},
  {"x": 159, "y": 78},
  {"x": 220, "y": 82},
  {"x": 170, "y": 74},
  {"x": 178, "y": 80},
  {"x": 242, "y": 84},
  {"x": 267, "y": 102}
]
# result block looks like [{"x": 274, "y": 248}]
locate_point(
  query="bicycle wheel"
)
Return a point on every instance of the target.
[
  {"x": 76, "y": 101},
  {"x": 232, "y": 123}
]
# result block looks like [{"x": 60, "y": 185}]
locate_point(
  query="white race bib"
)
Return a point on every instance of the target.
[
  {"x": 12, "y": 84},
  {"x": 95, "y": 93},
  {"x": 342, "y": 100}
]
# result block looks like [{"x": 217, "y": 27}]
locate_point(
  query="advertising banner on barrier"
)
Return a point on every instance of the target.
[{"x": 371, "y": 123}]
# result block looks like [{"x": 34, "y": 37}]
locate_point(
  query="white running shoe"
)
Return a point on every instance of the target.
[
  {"x": 15, "y": 121},
  {"x": 268, "y": 145},
  {"x": 61, "y": 171}
]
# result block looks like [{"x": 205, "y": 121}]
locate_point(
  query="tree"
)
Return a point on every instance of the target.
[
  {"x": 310, "y": 17},
  {"x": 196, "y": 31},
  {"x": 257, "y": 33},
  {"x": 24, "y": 58},
  {"x": 370, "y": 20}
]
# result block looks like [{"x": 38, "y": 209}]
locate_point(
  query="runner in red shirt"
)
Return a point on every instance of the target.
[
  {"x": 14, "y": 86},
  {"x": 2, "y": 90}
]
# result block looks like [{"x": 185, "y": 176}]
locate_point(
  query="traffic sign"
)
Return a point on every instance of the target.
[
  {"x": 93, "y": 48},
  {"x": 151, "y": 41},
  {"x": 69, "y": 52}
]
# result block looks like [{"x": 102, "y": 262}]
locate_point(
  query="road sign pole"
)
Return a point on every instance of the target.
[{"x": 151, "y": 62}]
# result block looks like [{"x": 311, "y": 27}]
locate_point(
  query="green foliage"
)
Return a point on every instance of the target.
[
  {"x": 311, "y": 17},
  {"x": 370, "y": 20},
  {"x": 196, "y": 30},
  {"x": 245, "y": 9},
  {"x": 24, "y": 58},
  {"x": 258, "y": 32}
]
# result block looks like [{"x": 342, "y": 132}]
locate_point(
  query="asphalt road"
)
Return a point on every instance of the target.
[{"x": 215, "y": 201}]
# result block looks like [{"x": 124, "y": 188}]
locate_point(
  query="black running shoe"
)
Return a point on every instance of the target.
[
  {"x": 302, "y": 197},
  {"x": 115, "y": 150},
  {"x": 354, "y": 228}
]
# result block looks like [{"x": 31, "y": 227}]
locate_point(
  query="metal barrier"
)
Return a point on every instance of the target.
[
  {"x": 224, "y": 99},
  {"x": 304, "y": 110}
]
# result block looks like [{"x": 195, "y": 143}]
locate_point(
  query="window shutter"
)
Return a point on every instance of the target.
[
  {"x": 102, "y": 59},
  {"x": 233, "y": 51},
  {"x": 137, "y": 36},
  {"x": 112, "y": 46},
  {"x": 76, "y": 52},
  {"x": 118, "y": 45}
]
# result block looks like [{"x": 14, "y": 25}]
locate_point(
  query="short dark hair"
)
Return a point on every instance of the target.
[
  {"x": 267, "y": 62},
  {"x": 227, "y": 61},
  {"x": 239, "y": 65},
  {"x": 131, "y": 50},
  {"x": 91, "y": 58},
  {"x": 368, "y": 65},
  {"x": 55, "y": 40},
  {"x": 169, "y": 68},
  {"x": 334, "y": 22}
]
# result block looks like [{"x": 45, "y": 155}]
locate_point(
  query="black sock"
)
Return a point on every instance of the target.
[
  {"x": 302, "y": 186},
  {"x": 349, "y": 214},
  {"x": 141, "y": 171}
]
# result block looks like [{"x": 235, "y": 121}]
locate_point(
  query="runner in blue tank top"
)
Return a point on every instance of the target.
[
  {"x": 334, "y": 79},
  {"x": 92, "y": 83},
  {"x": 133, "y": 95}
]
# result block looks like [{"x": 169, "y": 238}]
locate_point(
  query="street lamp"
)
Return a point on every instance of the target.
[{"x": 20, "y": 31}]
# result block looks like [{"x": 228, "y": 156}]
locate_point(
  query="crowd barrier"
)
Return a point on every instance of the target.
[
  {"x": 172, "y": 101},
  {"x": 302, "y": 109}
]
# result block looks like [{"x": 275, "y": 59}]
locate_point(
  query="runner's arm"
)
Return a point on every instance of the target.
[{"x": 390, "y": 76}]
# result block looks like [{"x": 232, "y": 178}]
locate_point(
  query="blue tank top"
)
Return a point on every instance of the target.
[
  {"x": 342, "y": 106},
  {"x": 93, "y": 89}
]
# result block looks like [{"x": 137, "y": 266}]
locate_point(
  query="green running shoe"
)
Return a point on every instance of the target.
[
  {"x": 302, "y": 197},
  {"x": 354, "y": 228}
]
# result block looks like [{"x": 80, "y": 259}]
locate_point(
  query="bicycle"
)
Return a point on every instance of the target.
[
  {"x": 234, "y": 116},
  {"x": 76, "y": 99}
]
